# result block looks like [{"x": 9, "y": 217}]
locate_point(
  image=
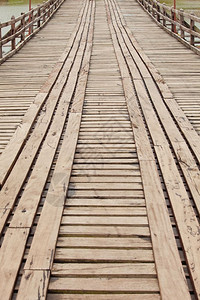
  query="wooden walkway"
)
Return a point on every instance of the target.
[
  {"x": 22, "y": 76},
  {"x": 100, "y": 181}
]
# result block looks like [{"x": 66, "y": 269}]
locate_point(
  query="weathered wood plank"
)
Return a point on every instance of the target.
[
  {"x": 102, "y": 269},
  {"x": 10, "y": 258},
  {"x": 167, "y": 234},
  {"x": 104, "y": 284}
]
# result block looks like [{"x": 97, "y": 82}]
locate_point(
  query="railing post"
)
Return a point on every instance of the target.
[
  {"x": 44, "y": 12},
  {"x": 164, "y": 15},
  {"x": 150, "y": 5},
  {"x": 13, "y": 44},
  {"x": 38, "y": 15},
  {"x": 1, "y": 51},
  {"x": 48, "y": 12},
  {"x": 146, "y": 4},
  {"x": 31, "y": 26},
  {"x": 158, "y": 12},
  {"x": 153, "y": 9},
  {"x": 22, "y": 26},
  {"x": 192, "y": 28},
  {"x": 172, "y": 18},
  {"x": 182, "y": 23}
]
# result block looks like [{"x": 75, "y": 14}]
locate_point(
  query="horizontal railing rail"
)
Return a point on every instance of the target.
[
  {"x": 182, "y": 25},
  {"x": 16, "y": 32}
]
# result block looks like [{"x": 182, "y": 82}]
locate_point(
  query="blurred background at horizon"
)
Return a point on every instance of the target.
[
  {"x": 8, "y": 8},
  {"x": 188, "y": 5}
]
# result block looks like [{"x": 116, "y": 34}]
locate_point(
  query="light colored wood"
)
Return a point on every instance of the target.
[
  {"x": 105, "y": 179},
  {"x": 4, "y": 213},
  {"x": 105, "y": 186},
  {"x": 25, "y": 160},
  {"x": 26, "y": 209},
  {"x": 114, "y": 202},
  {"x": 107, "y": 220},
  {"x": 100, "y": 255},
  {"x": 33, "y": 285},
  {"x": 9, "y": 257},
  {"x": 98, "y": 269},
  {"x": 97, "y": 206},
  {"x": 69, "y": 242},
  {"x": 105, "y": 194},
  {"x": 103, "y": 231},
  {"x": 104, "y": 284},
  {"x": 168, "y": 287},
  {"x": 31, "y": 66},
  {"x": 158, "y": 216},
  {"x": 55, "y": 199},
  {"x": 102, "y": 297},
  {"x": 117, "y": 211}
]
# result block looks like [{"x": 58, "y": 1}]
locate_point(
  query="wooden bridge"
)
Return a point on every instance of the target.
[{"x": 99, "y": 164}]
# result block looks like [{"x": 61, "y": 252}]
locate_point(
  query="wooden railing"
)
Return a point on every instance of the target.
[
  {"x": 16, "y": 32},
  {"x": 182, "y": 25}
]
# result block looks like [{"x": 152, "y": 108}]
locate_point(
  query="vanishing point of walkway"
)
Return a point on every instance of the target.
[{"x": 100, "y": 172}]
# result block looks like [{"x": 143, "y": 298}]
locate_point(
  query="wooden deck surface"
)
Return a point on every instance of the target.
[
  {"x": 178, "y": 65},
  {"x": 100, "y": 182},
  {"x": 22, "y": 76}
]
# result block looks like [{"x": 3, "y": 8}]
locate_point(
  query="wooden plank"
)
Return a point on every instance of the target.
[
  {"x": 181, "y": 119},
  {"x": 184, "y": 156},
  {"x": 102, "y": 269},
  {"x": 33, "y": 285},
  {"x": 102, "y": 297},
  {"x": 116, "y": 211},
  {"x": 105, "y": 194},
  {"x": 107, "y": 220},
  {"x": 105, "y": 179},
  {"x": 100, "y": 255},
  {"x": 104, "y": 284},
  {"x": 105, "y": 231},
  {"x": 4, "y": 214},
  {"x": 29, "y": 151},
  {"x": 9, "y": 259},
  {"x": 8, "y": 159},
  {"x": 114, "y": 202},
  {"x": 32, "y": 211},
  {"x": 105, "y": 186},
  {"x": 55, "y": 199},
  {"x": 26, "y": 209},
  {"x": 166, "y": 286},
  {"x": 96, "y": 242}
]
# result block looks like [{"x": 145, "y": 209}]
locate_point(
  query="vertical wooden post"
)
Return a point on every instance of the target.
[
  {"x": 22, "y": 27},
  {"x": 182, "y": 23},
  {"x": 56, "y": 4},
  {"x": 31, "y": 19},
  {"x": 158, "y": 12},
  {"x": 1, "y": 51},
  {"x": 48, "y": 8},
  {"x": 175, "y": 16},
  {"x": 150, "y": 5},
  {"x": 192, "y": 28},
  {"x": 172, "y": 18},
  {"x": 146, "y": 4},
  {"x": 38, "y": 15},
  {"x": 13, "y": 44},
  {"x": 153, "y": 8},
  {"x": 44, "y": 12},
  {"x": 164, "y": 15}
]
